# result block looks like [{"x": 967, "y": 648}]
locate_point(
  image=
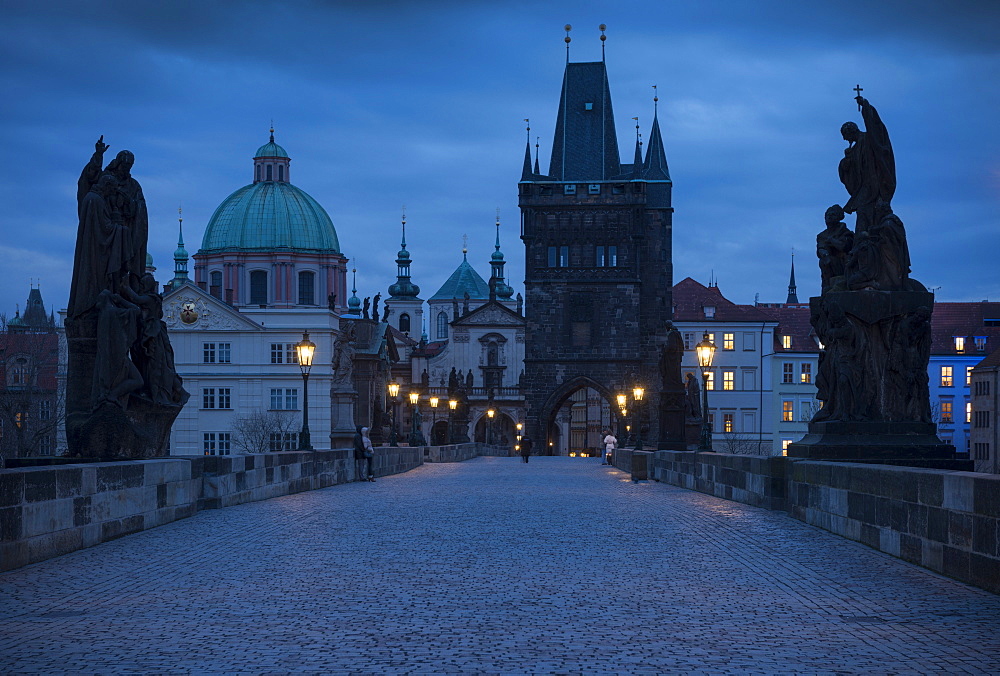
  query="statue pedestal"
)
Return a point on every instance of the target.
[
  {"x": 913, "y": 444},
  {"x": 672, "y": 434},
  {"x": 343, "y": 428}
]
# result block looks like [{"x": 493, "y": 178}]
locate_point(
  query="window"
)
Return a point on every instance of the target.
[
  {"x": 980, "y": 343},
  {"x": 805, "y": 376},
  {"x": 788, "y": 372},
  {"x": 552, "y": 256},
  {"x": 786, "y": 342},
  {"x": 946, "y": 412},
  {"x": 283, "y": 441},
  {"x": 225, "y": 353},
  {"x": 601, "y": 256},
  {"x": 217, "y": 443},
  {"x": 45, "y": 410},
  {"x": 946, "y": 377},
  {"x": 258, "y": 286},
  {"x": 709, "y": 312},
  {"x": 749, "y": 380},
  {"x": 982, "y": 419},
  {"x": 729, "y": 380},
  {"x": 968, "y": 375},
  {"x": 269, "y": 170},
  {"x": 442, "y": 325},
  {"x": 618, "y": 189},
  {"x": 208, "y": 397},
  {"x": 45, "y": 444},
  {"x": 216, "y": 397},
  {"x": 564, "y": 256},
  {"x": 208, "y": 353},
  {"x": 784, "y": 446},
  {"x": 569, "y": 189},
  {"x": 284, "y": 399},
  {"x": 749, "y": 341},
  {"x": 983, "y": 388},
  {"x": 20, "y": 419},
  {"x": 959, "y": 343},
  {"x": 711, "y": 421},
  {"x": 710, "y": 385},
  {"x": 277, "y": 353},
  {"x": 728, "y": 341},
  {"x": 209, "y": 444},
  {"x": 307, "y": 295},
  {"x": 689, "y": 341},
  {"x": 281, "y": 172},
  {"x": 982, "y": 451},
  {"x": 404, "y": 323},
  {"x": 19, "y": 372},
  {"x": 788, "y": 411},
  {"x": 612, "y": 256},
  {"x": 291, "y": 354},
  {"x": 257, "y": 173},
  {"x": 215, "y": 283},
  {"x": 727, "y": 422},
  {"x": 968, "y": 412},
  {"x": 594, "y": 189}
]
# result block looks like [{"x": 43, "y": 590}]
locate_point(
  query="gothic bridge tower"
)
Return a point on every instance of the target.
[{"x": 598, "y": 272}]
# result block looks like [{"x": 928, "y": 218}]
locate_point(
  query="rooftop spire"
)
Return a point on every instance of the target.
[
  {"x": 655, "y": 167},
  {"x": 180, "y": 254},
  {"x": 637, "y": 160},
  {"x": 354, "y": 303},
  {"x": 792, "y": 296},
  {"x": 603, "y": 38},
  {"x": 465, "y": 247},
  {"x": 537, "y": 171},
  {"x": 403, "y": 288},
  {"x": 272, "y": 131},
  {"x": 568, "y": 40},
  {"x": 526, "y": 172},
  {"x": 498, "y": 288}
]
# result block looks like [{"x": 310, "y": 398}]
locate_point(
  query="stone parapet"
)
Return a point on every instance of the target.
[{"x": 752, "y": 480}]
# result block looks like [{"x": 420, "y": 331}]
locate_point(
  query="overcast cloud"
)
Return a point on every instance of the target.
[{"x": 382, "y": 104}]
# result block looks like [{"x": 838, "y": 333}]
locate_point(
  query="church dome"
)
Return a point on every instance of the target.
[
  {"x": 464, "y": 280},
  {"x": 270, "y": 214}
]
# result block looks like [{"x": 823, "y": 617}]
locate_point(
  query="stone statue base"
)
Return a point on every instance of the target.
[
  {"x": 914, "y": 444},
  {"x": 343, "y": 429},
  {"x": 672, "y": 435},
  {"x": 141, "y": 431},
  {"x": 692, "y": 434}
]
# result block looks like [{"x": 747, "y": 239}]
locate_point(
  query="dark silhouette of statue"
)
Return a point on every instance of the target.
[
  {"x": 670, "y": 359},
  {"x": 331, "y": 302},
  {"x": 366, "y": 307},
  {"x": 832, "y": 248},
  {"x": 378, "y": 297},
  {"x": 468, "y": 380},
  {"x": 152, "y": 353},
  {"x": 343, "y": 357},
  {"x": 425, "y": 380},
  {"x": 868, "y": 168},
  {"x": 692, "y": 398}
]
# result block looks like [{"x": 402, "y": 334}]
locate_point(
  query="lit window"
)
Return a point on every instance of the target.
[
  {"x": 968, "y": 412},
  {"x": 959, "y": 343},
  {"x": 946, "y": 412},
  {"x": 727, "y": 422},
  {"x": 786, "y": 342},
  {"x": 711, "y": 381},
  {"x": 946, "y": 377},
  {"x": 729, "y": 380},
  {"x": 728, "y": 341},
  {"x": 968, "y": 375},
  {"x": 784, "y": 446},
  {"x": 788, "y": 411},
  {"x": 788, "y": 372},
  {"x": 806, "y": 375}
]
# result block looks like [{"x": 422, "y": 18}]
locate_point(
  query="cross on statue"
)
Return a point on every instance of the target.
[{"x": 858, "y": 90}]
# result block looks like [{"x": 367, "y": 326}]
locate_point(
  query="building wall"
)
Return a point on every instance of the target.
[{"x": 985, "y": 427}]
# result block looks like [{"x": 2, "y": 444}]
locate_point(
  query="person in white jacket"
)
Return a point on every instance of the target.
[{"x": 610, "y": 441}]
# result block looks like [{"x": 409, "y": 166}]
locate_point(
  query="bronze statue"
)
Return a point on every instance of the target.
[
  {"x": 670, "y": 359},
  {"x": 832, "y": 248},
  {"x": 868, "y": 168}
]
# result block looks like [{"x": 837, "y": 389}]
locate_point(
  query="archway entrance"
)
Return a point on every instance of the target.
[{"x": 577, "y": 415}]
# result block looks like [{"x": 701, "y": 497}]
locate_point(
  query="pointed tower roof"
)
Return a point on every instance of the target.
[
  {"x": 655, "y": 166},
  {"x": 354, "y": 303},
  {"x": 180, "y": 255},
  {"x": 403, "y": 289},
  {"x": 35, "y": 316},
  {"x": 464, "y": 279},
  {"x": 792, "y": 296},
  {"x": 526, "y": 172},
  {"x": 585, "y": 147}
]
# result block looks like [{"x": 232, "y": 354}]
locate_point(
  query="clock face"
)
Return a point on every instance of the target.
[{"x": 188, "y": 313}]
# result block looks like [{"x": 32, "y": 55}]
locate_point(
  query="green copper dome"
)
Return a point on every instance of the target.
[
  {"x": 464, "y": 280},
  {"x": 271, "y": 149},
  {"x": 270, "y": 216}
]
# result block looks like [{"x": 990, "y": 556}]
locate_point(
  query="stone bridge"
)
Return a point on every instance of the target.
[{"x": 488, "y": 565}]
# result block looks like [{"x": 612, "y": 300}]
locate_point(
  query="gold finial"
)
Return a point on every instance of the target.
[
  {"x": 404, "y": 214},
  {"x": 272, "y": 130},
  {"x": 498, "y": 215}
]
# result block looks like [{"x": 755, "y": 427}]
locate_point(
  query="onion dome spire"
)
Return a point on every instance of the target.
[
  {"x": 497, "y": 263},
  {"x": 180, "y": 254},
  {"x": 354, "y": 303},
  {"x": 403, "y": 288}
]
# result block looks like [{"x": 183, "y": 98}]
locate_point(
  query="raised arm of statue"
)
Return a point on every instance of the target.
[
  {"x": 91, "y": 172},
  {"x": 877, "y": 137}
]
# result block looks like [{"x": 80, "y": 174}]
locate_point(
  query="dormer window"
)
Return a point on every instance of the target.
[
  {"x": 959, "y": 343},
  {"x": 569, "y": 189},
  {"x": 709, "y": 311},
  {"x": 588, "y": 106},
  {"x": 786, "y": 342},
  {"x": 594, "y": 189},
  {"x": 980, "y": 343}
]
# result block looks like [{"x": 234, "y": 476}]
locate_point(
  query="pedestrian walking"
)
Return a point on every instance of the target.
[
  {"x": 610, "y": 442},
  {"x": 525, "y": 447},
  {"x": 364, "y": 453}
]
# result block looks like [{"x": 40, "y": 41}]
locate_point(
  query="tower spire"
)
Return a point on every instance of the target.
[
  {"x": 655, "y": 167},
  {"x": 536, "y": 155},
  {"x": 403, "y": 288},
  {"x": 792, "y": 296},
  {"x": 354, "y": 303},
  {"x": 180, "y": 254},
  {"x": 568, "y": 40},
  {"x": 526, "y": 172},
  {"x": 497, "y": 284},
  {"x": 604, "y": 37}
]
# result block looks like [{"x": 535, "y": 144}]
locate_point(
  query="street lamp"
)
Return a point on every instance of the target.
[
  {"x": 434, "y": 409},
  {"x": 490, "y": 412},
  {"x": 452, "y": 406},
  {"x": 416, "y": 436},
  {"x": 706, "y": 351},
  {"x": 393, "y": 394},
  {"x": 305, "y": 351},
  {"x": 637, "y": 394}
]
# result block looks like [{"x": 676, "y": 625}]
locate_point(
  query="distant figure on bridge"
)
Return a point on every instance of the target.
[
  {"x": 364, "y": 453},
  {"x": 526, "y": 445},
  {"x": 610, "y": 441}
]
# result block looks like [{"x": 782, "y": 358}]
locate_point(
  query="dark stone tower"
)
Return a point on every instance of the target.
[{"x": 598, "y": 272}]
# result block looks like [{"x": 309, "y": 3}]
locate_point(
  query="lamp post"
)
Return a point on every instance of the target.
[
  {"x": 637, "y": 394},
  {"x": 452, "y": 405},
  {"x": 305, "y": 350},
  {"x": 517, "y": 437},
  {"x": 393, "y": 394},
  {"x": 434, "y": 409},
  {"x": 706, "y": 351},
  {"x": 416, "y": 436},
  {"x": 490, "y": 412},
  {"x": 622, "y": 400}
]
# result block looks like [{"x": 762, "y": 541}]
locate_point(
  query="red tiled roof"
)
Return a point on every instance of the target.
[
  {"x": 967, "y": 320},
  {"x": 691, "y": 298},
  {"x": 794, "y": 322},
  {"x": 991, "y": 361},
  {"x": 430, "y": 349}
]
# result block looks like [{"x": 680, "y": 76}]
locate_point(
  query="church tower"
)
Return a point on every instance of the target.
[
  {"x": 598, "y": 272},
  {"x": 404, "y": 309}
]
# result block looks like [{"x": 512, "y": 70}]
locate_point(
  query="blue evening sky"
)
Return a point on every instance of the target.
[{"x": 384, "y": 104}]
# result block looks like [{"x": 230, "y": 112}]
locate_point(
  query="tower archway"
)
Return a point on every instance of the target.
[{"x": 574, "y": 417}]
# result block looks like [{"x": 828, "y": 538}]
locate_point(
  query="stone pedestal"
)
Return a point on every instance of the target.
[
  {"x": 343, "y": 428},
  {"x": 672, "y": 435},
  {"x": 914, "y": 444}
]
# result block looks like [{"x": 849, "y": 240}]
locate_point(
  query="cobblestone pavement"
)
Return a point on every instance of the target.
[{"x": 561, "y": 565}]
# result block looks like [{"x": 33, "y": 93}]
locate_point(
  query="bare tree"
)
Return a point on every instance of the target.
[
  {"x": 263, "y": 431},
  {"x": 31, "y": 406},
  {"x": 741, "y": 443}
]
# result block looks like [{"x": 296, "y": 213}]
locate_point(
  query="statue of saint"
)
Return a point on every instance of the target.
[
  {"x": 832, "y": 248},
  {"x": 868, "y": 168},
  {"x": 344, "y": 351},
  {"x": 367, "y": 306},
  {"x": 670, "y": 359},
  {"x": 152, "y": 353},
  {"x": 692, "y": 398},
  {"x": 378, "y": 297}
]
